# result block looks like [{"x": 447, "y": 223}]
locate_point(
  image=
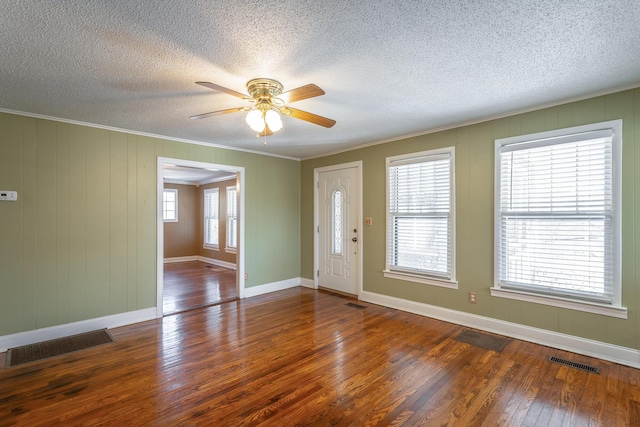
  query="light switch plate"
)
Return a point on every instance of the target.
[{"x": 10, "y": 196}]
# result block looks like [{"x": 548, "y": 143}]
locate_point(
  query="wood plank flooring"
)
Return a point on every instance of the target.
[
  {"x": 194, "y": 284},
  {"x": 303, "y": 357}
]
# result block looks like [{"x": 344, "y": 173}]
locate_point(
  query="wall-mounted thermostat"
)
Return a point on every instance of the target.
[{"x": 10, "y": 196}]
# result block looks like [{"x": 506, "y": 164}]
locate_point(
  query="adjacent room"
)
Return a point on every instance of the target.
[
  {"x": 200, "y": 217},
  {"x": 320, "y": 213}
]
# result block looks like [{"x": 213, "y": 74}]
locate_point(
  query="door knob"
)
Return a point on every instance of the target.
[{"x": 355, "y": 239}]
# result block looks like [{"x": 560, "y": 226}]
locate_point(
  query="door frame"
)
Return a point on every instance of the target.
[
  {"x": 316, "y": 218},
  {"x": 240, "y": 174}
]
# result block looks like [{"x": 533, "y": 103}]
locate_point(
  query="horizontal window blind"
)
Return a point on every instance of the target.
[
  {"x": 555, "y": 216},
  {"x": 232, "y": 217},
  {"x": 419, "y": 229},
  {"x": 211, "y": 209}
]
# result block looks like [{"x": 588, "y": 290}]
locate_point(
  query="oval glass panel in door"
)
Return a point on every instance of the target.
[{"x": 337, "y": 222}]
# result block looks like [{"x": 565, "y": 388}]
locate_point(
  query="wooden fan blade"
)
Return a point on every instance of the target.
[
  {"x": 302, "y": 92},
  {"x": 309, "y": 117},
  {"x": 223, "y": 89},
  {"x": 215, "y": 113}
]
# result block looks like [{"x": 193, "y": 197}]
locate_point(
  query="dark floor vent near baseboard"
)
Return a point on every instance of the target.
[
  {"x": 484, "y": 340},
  {"x": 43, "y": 350},
  {"x": 571, "y": 364},
  {"x": 354, "y": 305}
]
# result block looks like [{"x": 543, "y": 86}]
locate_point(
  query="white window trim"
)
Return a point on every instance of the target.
[
  {"x": 175, "y": 192},
  {"x": 587, "y": 306},
  {"x": 615, "y": 309},
  {"x": 419, "y": 277},
  {"x": 204, "y": 231}
]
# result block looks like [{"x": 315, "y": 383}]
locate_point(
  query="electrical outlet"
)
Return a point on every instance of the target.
[
  {"x": 246, "y": 276},
  {"x": 472, "y": 297},
  {"x": 10, "y": 196}
]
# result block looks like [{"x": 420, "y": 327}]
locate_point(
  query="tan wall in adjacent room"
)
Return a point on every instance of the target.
[{"x": 181, "y": 238}]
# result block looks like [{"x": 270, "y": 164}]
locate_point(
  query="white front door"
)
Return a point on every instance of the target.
[{"x": 338, "y": 234}]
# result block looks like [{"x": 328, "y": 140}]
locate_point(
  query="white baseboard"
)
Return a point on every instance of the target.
[
  {"x": 613, "y": 353},
  {"x": 213, "y": 261},
  {"x": 271, "y": 287},
  {"x": 59, "y": 331},
  {"x": 181, "y": 259},
  {"x": 217, "y": 262},
  {"x": 307, "y": 283}
]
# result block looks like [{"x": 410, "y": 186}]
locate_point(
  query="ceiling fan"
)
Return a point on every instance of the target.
[{"x": 269, "y": 101}]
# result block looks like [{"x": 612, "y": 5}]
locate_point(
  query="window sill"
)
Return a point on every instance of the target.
[
  {"x": 589, "y": 307},
  {"x": 211, "y": 247},
  {"x": 230, "y": 250},
  {"x": 427, "y": 280}
]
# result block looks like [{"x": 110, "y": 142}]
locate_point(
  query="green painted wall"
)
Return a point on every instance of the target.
[
  {"x": 474, "y": 218},
  {"x": 80, "y": 242}
]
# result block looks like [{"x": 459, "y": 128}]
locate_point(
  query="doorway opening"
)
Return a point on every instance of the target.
[{"x": 200, "y": 235}]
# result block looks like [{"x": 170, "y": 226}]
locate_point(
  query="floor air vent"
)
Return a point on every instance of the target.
[
  {"x": 354, "y": 305},
  {"x": 571, "y": 364},
  {"x": 43, "y": 350},
  {"x": 487, "y": 341}
]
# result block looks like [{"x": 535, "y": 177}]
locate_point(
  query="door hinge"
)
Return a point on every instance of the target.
[
  {"x": 318, "y": 273},
  {"x": 318, "y": 230}
]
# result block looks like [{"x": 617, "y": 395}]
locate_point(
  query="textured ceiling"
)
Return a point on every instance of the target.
[
  {"x": 389, "y": 68},
  {"x": 194, "y": 176}
]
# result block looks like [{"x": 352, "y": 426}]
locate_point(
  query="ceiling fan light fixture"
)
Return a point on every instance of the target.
[
  {"x": 255, "y": 120},
  {"x": 273, "y": 120},
  {"x": 259, "y": 119}
]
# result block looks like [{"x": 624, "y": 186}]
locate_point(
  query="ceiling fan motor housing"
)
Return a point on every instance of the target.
[{"x": 260, "y": 89}]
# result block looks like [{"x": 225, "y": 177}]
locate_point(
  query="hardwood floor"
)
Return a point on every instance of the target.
[
  {"x": 303, "y": 357},
  {"x": 194, "y": 284}
]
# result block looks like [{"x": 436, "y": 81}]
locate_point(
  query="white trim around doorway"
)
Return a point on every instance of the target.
[
  {"x": 240, "y": 171},
  {"x": 316, "y": 254}
]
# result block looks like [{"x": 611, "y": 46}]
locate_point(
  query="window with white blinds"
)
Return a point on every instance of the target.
[
  {"x": 558, "y": 214},
  {"x": 232, "y": 218},
  {"x": 420, "y": 217},
  {"x": 211, "y": 217}
]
